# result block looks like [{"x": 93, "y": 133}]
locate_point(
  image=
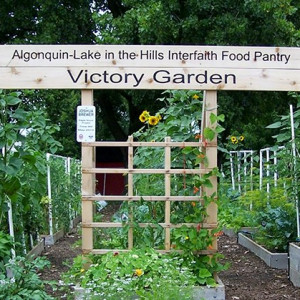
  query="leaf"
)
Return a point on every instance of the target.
[
  {"x": 282, "y": 137},
  {"x": 187, "y": 150},
  {"x": 275, "y": 125},
  {"x": 11, "y": 186},
  {"x": 213, "y": 118},
  {"x": 11, "y": 100},
  {"x": 221, "y": 118},
  {"x": 209, "y": 134},
  {"x": 219, "y": 129},
  {"x": 204, "y": 273}
]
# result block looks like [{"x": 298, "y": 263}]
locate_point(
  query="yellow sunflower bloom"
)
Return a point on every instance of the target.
[
  {"x": 241, "y": 138},
  {"x": 153, "y": 120},
  {"x": 195, "y": 96},
  {"x": 142, "y": 118},
  {"x": 234, "y": 140}
]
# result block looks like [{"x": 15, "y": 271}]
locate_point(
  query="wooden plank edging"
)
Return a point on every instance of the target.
[{"x": 273, "y": 260}]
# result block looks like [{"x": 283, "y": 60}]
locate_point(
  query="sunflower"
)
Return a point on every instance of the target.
[
  {"x": 153, "y": 120},
  {"x": 241, "y": 138},
  {"x": 234, "y": 140},
  {"x": 144, "y": 116}
]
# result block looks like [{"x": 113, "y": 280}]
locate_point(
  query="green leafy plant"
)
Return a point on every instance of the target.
[
  {"x": 6, "y": 244},
  {"x": 20, "y": 280},
  {"x": 24, "y": 138},
  {"x": 142, "y": 272},
  {"x": 277, "y": 228}
]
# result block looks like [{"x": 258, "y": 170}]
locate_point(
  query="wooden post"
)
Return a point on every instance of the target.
[
  {"x": 211, "y": 154},
  {"x": 130, "y": 191},
  {"x": 167, "y": 193},
  {"x": 88, "y": 182}
]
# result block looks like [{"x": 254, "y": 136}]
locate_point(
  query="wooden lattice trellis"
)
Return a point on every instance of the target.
[{"x": 89, "y": 171}]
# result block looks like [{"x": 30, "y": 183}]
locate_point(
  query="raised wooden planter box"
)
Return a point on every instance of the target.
[
  {"x": 37, "y": 250},
  {"x": 273, "y": 260},
  {"x": 52, "y": 239},
  {"x": 199, "y": 293},
  {"x": 294, "y": 266}
]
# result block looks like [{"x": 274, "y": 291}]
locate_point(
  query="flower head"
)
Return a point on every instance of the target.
[
  {"x": 195, "y": 96},
  {"x": 241, "y": 138},
  {"x": 198, "y": 227},
  {"x": 138, "y": 272},
  {"x": 234, "y": 140},
  {"x": 153, "y": 120},
  {"x": 220, "y": 233},
  {"x": 196, "y": 190},
  {"x": 144, "y": 116}
]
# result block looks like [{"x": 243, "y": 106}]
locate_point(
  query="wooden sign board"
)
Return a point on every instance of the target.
[{"x": 149, "y": 67}]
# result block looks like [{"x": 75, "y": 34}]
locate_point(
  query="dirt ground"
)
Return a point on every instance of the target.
[{"x": 248, "y": 278}]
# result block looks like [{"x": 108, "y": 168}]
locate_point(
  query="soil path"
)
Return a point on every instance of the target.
[{"x": 248, "y": 278}]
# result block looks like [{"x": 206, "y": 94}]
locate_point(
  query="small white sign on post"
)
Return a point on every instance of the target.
[{"x": 86, "y": 124}]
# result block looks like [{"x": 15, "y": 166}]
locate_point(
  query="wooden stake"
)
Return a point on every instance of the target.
[
  {"x": 211, "y": 154},
  {"x": 130, "y": 191},
  {"x": 167, "y": 193},
  {"x": 88, "y": 183}
]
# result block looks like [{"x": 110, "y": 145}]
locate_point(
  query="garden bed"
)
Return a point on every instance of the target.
[
  {"x": 199, "y": 292},
  {"x": 294, "y": 265},
  {"x": 273, "y": 260}
]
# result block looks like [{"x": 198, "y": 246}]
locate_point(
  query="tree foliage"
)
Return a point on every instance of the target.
[
  {"x": 206, "y": 22},
  {"x": 168, "y": 22}
]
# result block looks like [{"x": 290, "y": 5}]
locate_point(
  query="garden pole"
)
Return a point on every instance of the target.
[
  {"x": 268, "y": 172},
  {"x": 71, "y": 213},
  {"x": 238, "y": 153},
  {"x": 245, "y": 171},
  {"x": 295, "y": 168},
  {"x": 232, "y": 171},
  {"x": 251, "y": 171},
  {"x": 11, "y": 225},
  {"x": 275, "y": 172},
  {"x": 49, "y": 195},
  {"x": 260, "y": 168}
]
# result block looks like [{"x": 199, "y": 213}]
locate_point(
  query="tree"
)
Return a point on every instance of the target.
[
  {"x": 174, "y": 22},
  {"x": 206, "y": 22},
  {"x": 50, "y": 22}
]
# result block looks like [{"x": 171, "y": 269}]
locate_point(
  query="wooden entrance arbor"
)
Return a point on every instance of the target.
[
  {"x": 89, "y": 171},
  {"x": 89, "y": 67}
]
